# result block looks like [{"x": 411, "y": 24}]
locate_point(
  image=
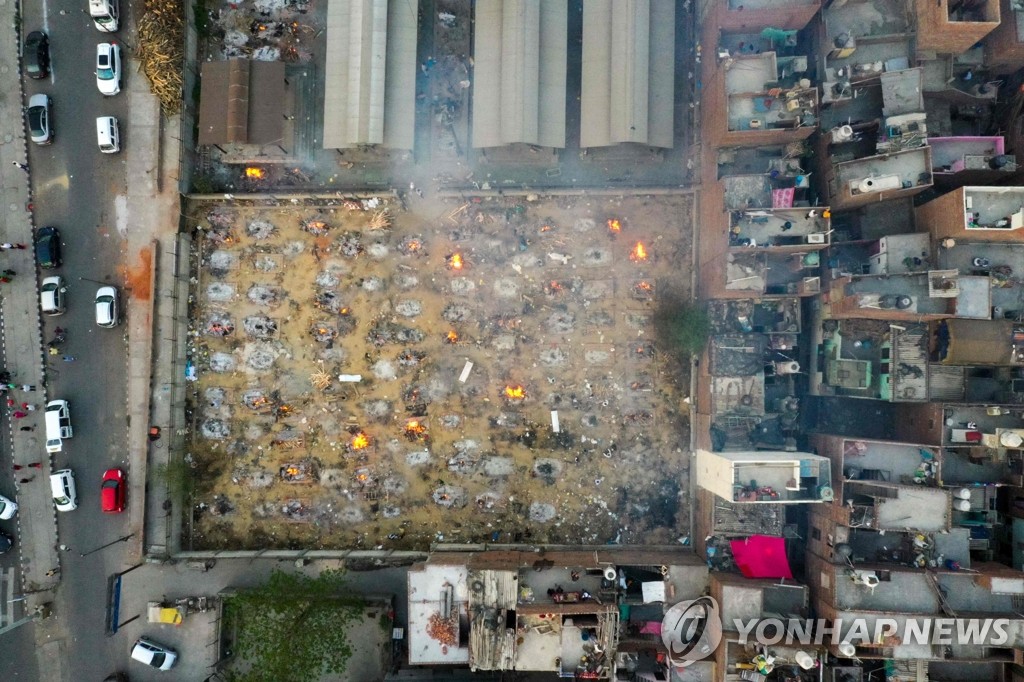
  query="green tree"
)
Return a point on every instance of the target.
[
  {"x": 684, "y": 326},
  {"x": 292, "y": 628}
]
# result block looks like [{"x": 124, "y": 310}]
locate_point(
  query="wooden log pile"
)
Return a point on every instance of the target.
[{"x": 161, "y": 40}]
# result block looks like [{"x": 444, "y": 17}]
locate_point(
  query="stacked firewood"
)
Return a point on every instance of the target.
[{"x": 161, "y": 43}]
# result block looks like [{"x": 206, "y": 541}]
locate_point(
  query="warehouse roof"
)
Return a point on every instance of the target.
[{"x": 242, "y": 102}]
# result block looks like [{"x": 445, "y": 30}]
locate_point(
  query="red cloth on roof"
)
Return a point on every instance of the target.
[
  {"x": 783, "y": 198},
  {"x": 761, "y": 556}
]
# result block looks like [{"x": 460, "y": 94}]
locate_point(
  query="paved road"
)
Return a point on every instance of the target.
[{"x": 75, "y": 187}]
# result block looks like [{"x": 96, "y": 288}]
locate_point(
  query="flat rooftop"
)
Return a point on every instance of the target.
[
  {"x": 912, "y": 168},
  {"x": 986, "y": 206},
  {"x": 867, "y": 19}
]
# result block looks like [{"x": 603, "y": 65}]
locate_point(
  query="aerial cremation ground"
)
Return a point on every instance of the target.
[{"x": 485, "y": 371}]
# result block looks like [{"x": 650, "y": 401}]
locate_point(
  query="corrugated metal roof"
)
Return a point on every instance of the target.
[
  {"x": 400, "y": 76},
  {"x": 241, "y": 102},
  {"x": 266, "y": 102},
  {"x": 628, "y": 72},
  {"x": 355, "y": 69},
  {"x": 519, "y": 53}
]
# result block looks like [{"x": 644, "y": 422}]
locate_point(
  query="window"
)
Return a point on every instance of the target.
[{"x": 815, "y": 533}]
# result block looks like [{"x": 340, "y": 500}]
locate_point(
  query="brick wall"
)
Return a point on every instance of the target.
[
  {"x": 790, "y": 15},
  {"x": 936, "y": 33},
  {"x": 1004, "y": 52}
]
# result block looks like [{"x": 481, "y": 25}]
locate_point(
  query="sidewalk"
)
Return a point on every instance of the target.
[{"x": 36, "y": 538}]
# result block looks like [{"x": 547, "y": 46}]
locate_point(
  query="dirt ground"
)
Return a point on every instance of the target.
[{"x": 328, "y": 354}]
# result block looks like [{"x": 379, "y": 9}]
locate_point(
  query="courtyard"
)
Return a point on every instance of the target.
[{"x": 363, "y": 374}]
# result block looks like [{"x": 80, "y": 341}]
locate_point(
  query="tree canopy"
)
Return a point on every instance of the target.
[{"x": 292, "y": 628}]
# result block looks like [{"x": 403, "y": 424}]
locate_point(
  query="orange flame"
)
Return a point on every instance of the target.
[
  {"x": 639, "y": 253},
  {"x": 515, "y": 392},
  {"x": 254, "y": 173},
  {"x": 452, "y": 337},
  {"x": 614, "y": 225},
  {"x": 455, "y": 261},
  {"x": 414, "y": 245},
  {"x": 343, "y": 311},
  {"x": 292, "y": 471},
  {"x": 360, "y": 441},
  {"x": 414, "y": 426}
]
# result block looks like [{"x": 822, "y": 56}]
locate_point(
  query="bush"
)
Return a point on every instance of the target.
[{"x": 683, "y": 326}]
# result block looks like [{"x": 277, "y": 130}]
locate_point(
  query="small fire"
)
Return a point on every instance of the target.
[
  {"x": 452, "y": 336},
  {"x": 360, "y": 441},
  {"x": 639, "y": 253},
  {"x": 343, "y": 311},
  {"x": 415, "y": 427},
  {"x": 614, "y": 226},
  {"x": 515, "y": 392},
  {"x": 414, "y": 245},
  {"x": 254, "y": 173},
  {"x": 292, "y": 471},
  {"x": 455, "y": 261},
  {"x": 644, "y": 286},
  {"x": 545, "y": 228}
]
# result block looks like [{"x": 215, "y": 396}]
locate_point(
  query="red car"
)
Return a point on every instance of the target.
[{"x": 112, "y": 492}]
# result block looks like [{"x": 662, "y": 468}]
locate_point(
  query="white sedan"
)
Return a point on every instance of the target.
[
  {"x": 108, "y": 68},
  {"x": 7, "y": 508},
  {"x": 107, "y": 307},
  {"x": 153, "y": 654}
]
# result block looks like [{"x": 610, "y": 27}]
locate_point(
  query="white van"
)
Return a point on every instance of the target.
[
  {"x": 104, "y": 15},
  {"x": 62, "y": 486},
  {"x": 108, "y": 136},
  {"x": 58, "y": 424}
]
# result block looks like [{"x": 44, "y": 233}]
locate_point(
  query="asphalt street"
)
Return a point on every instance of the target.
[{"x": 75, "y": 188}]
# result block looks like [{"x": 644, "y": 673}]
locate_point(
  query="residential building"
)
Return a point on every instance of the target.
[
  {"x": 739, "y": 15},
  {"x": 1004, "y": 47},
  {"x": 549, "y": 611},
  {"x": 954, "y": 26},
  {"x": 970, "y": 160},
  {"x": 765, "y": 477}
]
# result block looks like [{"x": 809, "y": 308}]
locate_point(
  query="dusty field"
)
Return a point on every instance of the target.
[{"x": 551, "y": 306}]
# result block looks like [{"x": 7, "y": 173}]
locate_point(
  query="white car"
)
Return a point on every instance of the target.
[
  {"x": 65, "y": 494},
  {"x": 106, "y": 307},
  {"x": 51, "y": 296},
  {"x": 7, "y": 508},
  {"x": 154, "y": 655},
  {"x": 39, "y": 126},
  {"x": 108, "y": 68}
]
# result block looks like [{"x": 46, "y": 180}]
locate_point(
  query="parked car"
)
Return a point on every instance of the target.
[
  {"x": 39, "y": 127},
  {"x": 62, "y": 487},
  {"x": 6, "y": 542},
  {"x": 107, "y": 304},
  {"x": 48, "y": 248},
  {"x": 57, "y": 420},
  {"x": 36, "y": 55},
  {"x": 7, "y": 508},
  {"x": 112, "y": 491},
  {"x": 153, "y": 654},
  {"x": 108, "y": 68},
  {"x": 108, "y": 135},
  {"x": 51, "y": 296}
]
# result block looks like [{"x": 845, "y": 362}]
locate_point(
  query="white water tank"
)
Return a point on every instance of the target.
[
  {"x": 610, "y": 574},
  {"x": 1010, "y": 439},
  {"x": 843, "y": 133},
  {"x": 846, "y": 649},
  {"x": 791, "y": 367},
  {"x": 962, "y": 493},
  {"x": 804, "y": 660},
  {"x": 879, "y": 183},
  {"x": 962, "y": 505}
]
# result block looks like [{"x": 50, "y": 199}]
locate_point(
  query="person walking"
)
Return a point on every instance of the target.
[
  {"x": 9, "y": 245},
  {"x": 27, "y": 387},
  {"x": 5, "y": 279},
  {"x": 18, "y": 414},
  {"x": 9, "y": 273},
  {"x": 28, "y": 428},
  {"x": 68, "y": 358},
  {"x": 22, "y": 166}
]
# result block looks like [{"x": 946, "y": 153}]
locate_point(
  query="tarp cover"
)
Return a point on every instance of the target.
[{"x": 761, "y": 556}]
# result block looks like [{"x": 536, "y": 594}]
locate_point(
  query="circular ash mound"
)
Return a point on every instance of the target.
[
  {"x": 460, "y": 286},
  {"x": 215, "y": 397},
  {"x": 216, "y": 429},
  {"x": 260, "y": 229},
  {"x": 345, "y": 324},
  {"x": 329, "y": 301},
  {"x": 590, "y": 420},
  {"x": 316, "y": 226},
  {"x": 542, "y": 512},
  {"x": 382, "y": 333},
  {"x": 456, "y": 312},
  {"x": 264, "y": 263},
  {"x": 410, "y": 358},
  {"x": 256, "y": 399},
  {"x": 553, "y": 357},
  {"x": 220, "y": 291},
  {"x": 323, "y": 332},
  {"x": 412, "y": 246},
  {"x": 327, "y": 278},
  {"x": 595, "y": 257},
  {"x": 292, "y": 249},
  {"x": 417, "y": 458},
  {"x": 222, "y": 362},
  {"x": 260, "y": 327},
  {"x": 561, "y": 323},
  {"x": 394, "y": 485},
  {"x": 547, "y": 469},
  {"x": 597, "y": 357},
  {"x": 409, "y": 308},
  {"x": 506, "y": 288},
  {"x": 372, "y": 284},
  {"x": 219, "y": 324},
  {"x": 378, "y": 250},
  {"x": 262, "y": 294},
  {"x": 378, "y": 410},
  {"x": 406, "y": 281},
  {"x": 391, "y": 512},
  {"x": 384, "y": 370},
  {"x": 221, "y": 217},
  {"x": 221, "y": 262},
  {"x": 450, "y": 421},
  {"x": 349, "y": 244},
  {"x": 260, "y": 358}
]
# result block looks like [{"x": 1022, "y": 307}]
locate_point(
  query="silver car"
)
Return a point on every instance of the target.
[{"x": 39, "y": 125}]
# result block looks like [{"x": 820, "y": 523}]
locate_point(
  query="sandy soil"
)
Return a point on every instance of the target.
[{"x": 549, "y": 303}]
